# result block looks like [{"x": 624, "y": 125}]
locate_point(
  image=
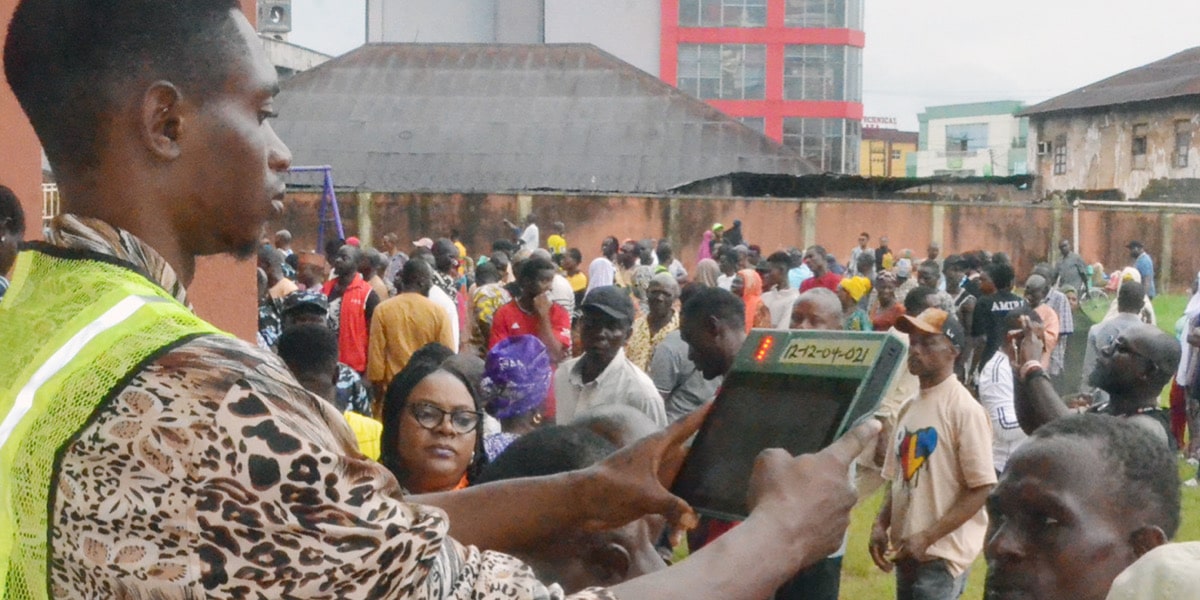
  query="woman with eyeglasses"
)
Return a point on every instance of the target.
[{"x": 432, "y": 425}]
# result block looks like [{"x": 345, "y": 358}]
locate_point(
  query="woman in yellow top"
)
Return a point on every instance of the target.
[{"x": 577, "y": 278}]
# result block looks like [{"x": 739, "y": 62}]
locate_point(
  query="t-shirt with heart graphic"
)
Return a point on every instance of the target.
[{"x": 942, "y": 447}]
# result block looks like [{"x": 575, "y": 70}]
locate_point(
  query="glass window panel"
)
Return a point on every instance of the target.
[
  {"x": 854, "y": 75},
  {"x": 813, "y": 72},
  {"x": 819, "y": 14},
  {"x": 854, "y": 15},
  {"x": 689, "y": 13},
  {"x": 830, "y": 144},
  {"x": 966, "y": 138},
  {"x": 756, "y": 123}
]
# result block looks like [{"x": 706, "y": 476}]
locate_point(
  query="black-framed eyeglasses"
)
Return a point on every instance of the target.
[{"x": 430, "y": 417}]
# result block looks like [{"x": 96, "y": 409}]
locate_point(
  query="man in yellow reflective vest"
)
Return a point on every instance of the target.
[{"x": 143, "y": 454}]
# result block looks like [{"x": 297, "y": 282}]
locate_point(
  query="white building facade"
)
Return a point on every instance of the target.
[{"x": 973, "y": 140}]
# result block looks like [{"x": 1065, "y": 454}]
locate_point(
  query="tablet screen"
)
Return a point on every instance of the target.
[{"x": 755, "y": 411}]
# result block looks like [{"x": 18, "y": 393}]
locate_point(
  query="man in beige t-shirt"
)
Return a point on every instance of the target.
[{"x": 932, "y": 524}]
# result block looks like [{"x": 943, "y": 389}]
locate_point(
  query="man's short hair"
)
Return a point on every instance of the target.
[
  {"x": 865, "y": 262},
  {"x": 917, "y": 299},
  {"x": 780, "y": 258},
  {"x": 309, "y": 349},
  {"x": 1149, "y": 475},
  {"x": 824, "y": 298},
  {"x": 715, "y": 302},
  {"x": 283, "y": 236},
  {"x": 379, "y": 261},
  {"x": 548, "y": 451},
  {"x": 1001, "y": 274},
  {"x": 663, "y": 252},
  {"x": 575, "y": 254},
  {"x": 531, "y": 267},
  {"x": 1012, "y": 319},
  {"x": 70, "y": 61},
  {"x": 668, "y": 282},
  {"x": 1131, "y": 296},
  {"x": 487, "y": 273},
  {"x": 12, "y": 216},
  {"x": 504, "y": 246},
  {"x": 414, "y": 269},
  {"x": 973, "y": 260},
  {"x": 689, "y": 290}
]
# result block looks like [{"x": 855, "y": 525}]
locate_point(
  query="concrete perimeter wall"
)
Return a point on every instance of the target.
[{"x": 1027, "y": 233}]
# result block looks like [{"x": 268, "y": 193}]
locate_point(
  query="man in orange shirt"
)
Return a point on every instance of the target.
[{"x": 404, "y": 324}]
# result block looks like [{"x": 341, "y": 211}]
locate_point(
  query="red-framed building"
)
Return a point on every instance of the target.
[{"x": 790, "y": 68}]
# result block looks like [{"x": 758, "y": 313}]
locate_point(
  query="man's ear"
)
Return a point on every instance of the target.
[
  {"x": 1146, "y": 539},
  {"x": 712, "y": 325},
  {"x": 609, "y": 562},
  {"x": 160, "y": 121}
]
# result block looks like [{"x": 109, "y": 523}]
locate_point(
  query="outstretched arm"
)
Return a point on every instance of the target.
[
  {"x": 1034, "y": 397},
  {"x": 520, "y": 514},
  {"x": 801, "y": 508}
]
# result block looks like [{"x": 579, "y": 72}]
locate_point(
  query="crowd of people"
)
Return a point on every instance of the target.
[
  {"x": 418, "y": 422},
  {"x": 549, "y": 344}
]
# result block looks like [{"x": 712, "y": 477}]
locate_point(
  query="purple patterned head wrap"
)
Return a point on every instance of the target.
[{"x": 516, "y": 377}]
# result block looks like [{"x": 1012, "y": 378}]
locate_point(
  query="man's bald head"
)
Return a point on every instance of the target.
[
  {"x": 1036, "y": 288},
  {"x": 445, "y": 255},
  {"x": 1137, "y": 364},
  {"x": 1161, "y": 349}
]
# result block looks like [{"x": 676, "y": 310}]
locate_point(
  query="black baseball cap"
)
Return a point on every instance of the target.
[{"x": 611, "y": 300}]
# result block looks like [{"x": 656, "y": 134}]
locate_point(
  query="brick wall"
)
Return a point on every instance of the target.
[{"x": 1027, "y": 233}]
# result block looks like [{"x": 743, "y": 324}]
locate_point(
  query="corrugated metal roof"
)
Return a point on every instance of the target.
[
  {"x": 1172, "y": 77},
  {"x": 493, "y": 118}
]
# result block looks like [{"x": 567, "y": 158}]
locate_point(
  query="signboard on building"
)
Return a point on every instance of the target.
[{"x": 880, "y": 123}]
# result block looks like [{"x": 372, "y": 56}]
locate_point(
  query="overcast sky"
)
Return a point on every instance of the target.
[{"x": 929, "y": 52}]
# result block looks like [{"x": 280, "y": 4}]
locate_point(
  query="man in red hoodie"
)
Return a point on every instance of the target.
[{"x": 351, "y": 304}]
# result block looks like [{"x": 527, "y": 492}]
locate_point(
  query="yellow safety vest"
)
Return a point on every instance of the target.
[{"x": 74, "y": 327}]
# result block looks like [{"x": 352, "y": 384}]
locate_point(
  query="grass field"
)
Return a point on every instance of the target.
[{"x": 861, "y": 579}]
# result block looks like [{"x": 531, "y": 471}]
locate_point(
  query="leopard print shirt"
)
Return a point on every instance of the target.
[{"x": 213, "y": 474}]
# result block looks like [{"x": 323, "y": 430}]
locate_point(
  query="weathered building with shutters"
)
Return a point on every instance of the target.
[{"x": 1132, "y": 135}]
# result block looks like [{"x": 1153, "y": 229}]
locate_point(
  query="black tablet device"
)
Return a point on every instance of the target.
[{"x": 796, "y": 390}]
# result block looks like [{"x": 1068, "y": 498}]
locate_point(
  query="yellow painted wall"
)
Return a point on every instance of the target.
[{"x": 876, "y": 154}]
